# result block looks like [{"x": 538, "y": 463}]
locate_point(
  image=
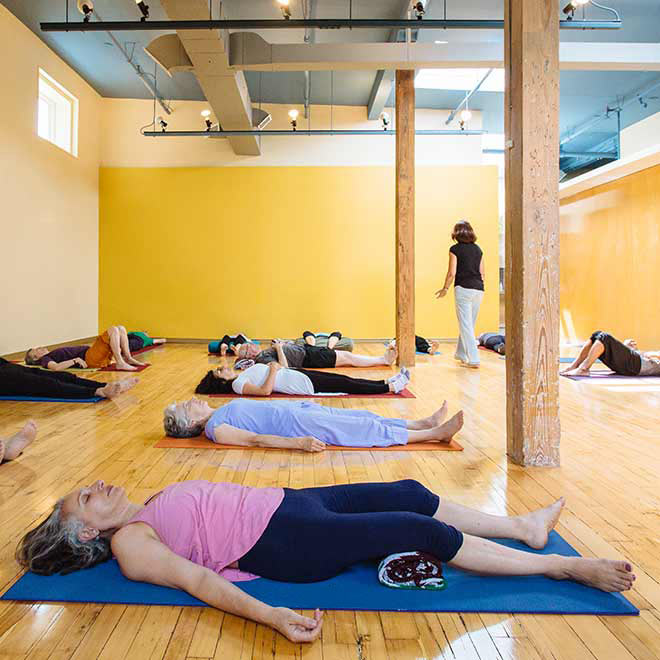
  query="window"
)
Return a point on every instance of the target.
[
  {"x": 462, "y": 80},
  {"x": 57, "y": 114}
]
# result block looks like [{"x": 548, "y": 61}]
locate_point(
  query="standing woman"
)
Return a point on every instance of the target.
[{"x": 466, "y": 267}]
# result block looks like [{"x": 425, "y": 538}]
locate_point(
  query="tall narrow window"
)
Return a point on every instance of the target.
[{"x": 57, "y": 115}]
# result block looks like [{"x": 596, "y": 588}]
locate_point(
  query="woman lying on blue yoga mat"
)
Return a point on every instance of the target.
[
  {"x": 302, "y": 425},
  {"x": 200, "y": 536}
]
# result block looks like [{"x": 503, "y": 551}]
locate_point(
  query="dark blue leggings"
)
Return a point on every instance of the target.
[{"x": 317, "y": 533}]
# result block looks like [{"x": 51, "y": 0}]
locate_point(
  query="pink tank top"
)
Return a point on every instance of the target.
[{"x": 212, "y": 524}]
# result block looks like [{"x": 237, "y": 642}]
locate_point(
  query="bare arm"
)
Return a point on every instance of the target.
[
  {"x": 230, "y": 435},
  {"x": 451, "y": 274},
  {"x": 67, "y": 364},
  {"x": 266, "y": 388},
  {"x": 281, "y": 357},
  {"x": 143, "y": 557}
]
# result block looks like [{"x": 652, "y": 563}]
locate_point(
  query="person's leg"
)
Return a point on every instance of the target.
[
  {"x": 324, "y": 381},
  {"x": 582, "y": 355},
  {"x": 333, "y": 339},
  {"x": 125, "y": 348},
  {"x": 489, "y": 558},
  {"x": 309, "y": 337},
  {"x": 422, "y": 345},
  {"x": 115, "y": 342},
  {"x": 13, "y": 447},
  {"x": 105, "y": 390},
  {"x": 469, "y": 341},
  {"x": 347, "y": 359},
  {"x": 463, "y": 312},
  {"x": 596, "y": 350},
  {"x": 225, "y": 343}
]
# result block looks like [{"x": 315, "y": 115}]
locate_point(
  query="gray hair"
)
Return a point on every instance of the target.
[
  {"x": 54, "y": 546},
  {"x": 178, "y": 425}
]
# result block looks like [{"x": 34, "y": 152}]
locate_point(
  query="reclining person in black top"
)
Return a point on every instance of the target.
[{"x": 622, "y": 357}]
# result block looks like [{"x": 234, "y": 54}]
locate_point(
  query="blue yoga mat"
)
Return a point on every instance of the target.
[
  {"x": 355, "y": 589},
  {"x": 92, "y": 399}
]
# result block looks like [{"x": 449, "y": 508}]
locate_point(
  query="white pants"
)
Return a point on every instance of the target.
[{"x": 467, "y": 303}]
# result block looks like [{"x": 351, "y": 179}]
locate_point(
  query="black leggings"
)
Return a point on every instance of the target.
[
  {"x": 317, "y": 533},
  {"x": 17, "y": 380},
  {"x": 329, "y": 382},
  {"x": 617, "y": 356}
]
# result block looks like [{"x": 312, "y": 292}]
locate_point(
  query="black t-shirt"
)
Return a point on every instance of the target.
[{"x": 468, "y": 258}]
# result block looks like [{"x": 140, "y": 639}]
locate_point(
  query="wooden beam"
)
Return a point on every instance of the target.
[
  {"x": 531, "y": 56},
  {"x": 405, "y": 217}
]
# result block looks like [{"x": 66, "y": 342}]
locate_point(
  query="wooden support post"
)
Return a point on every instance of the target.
[
  {"x": 405, "y": 217},
  {"x": 531, "y": 62}
]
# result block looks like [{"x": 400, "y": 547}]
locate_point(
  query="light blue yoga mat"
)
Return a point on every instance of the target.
[
  {"x": 355, "y": 589},
  {"x": 93, "y": 399}
]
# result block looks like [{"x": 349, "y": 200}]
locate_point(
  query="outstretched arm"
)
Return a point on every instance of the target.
[
  {"x": 230, "y": 435},
  {"x": 143, "y": 557}
]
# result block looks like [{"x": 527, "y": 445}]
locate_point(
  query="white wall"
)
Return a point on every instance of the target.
[
  {"x": 641, "y": 135},
  {"x": 123, "y": 146},
  {"x": 49, "y": 213}
]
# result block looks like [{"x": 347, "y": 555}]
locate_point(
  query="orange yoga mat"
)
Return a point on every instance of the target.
[{"x": 202, "y": 442}]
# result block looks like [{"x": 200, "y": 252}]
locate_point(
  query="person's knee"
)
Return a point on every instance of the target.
[
  {"x": 113, "y": 331},
  {"x": 412, "y": 485}
]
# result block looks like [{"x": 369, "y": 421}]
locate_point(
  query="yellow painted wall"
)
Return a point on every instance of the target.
[
  {"x": 195, "y": 252},
  {"x": 49, "y": 213},
  {"x": 610, "y": 260}
]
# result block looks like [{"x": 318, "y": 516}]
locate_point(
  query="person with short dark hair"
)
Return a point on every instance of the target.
[
  {"x": 466, "y": 270},
  {"x": 622, "y": 357}
]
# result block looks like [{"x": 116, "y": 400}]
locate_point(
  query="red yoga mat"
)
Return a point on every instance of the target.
[
  {"x": 403, "y": 394},
  {"x": 202, "y": 442}
]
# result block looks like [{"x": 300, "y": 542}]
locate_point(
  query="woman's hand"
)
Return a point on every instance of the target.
[
  {"x": 441, "y": 293},
  {"x": 294, "y": 627},
  {"x": 310, "y": 443},
  {"x": 274, "y": 366},
  {"x": 79, "y": 362}
]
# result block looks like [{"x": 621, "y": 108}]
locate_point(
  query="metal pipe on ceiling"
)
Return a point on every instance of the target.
[
  {"x": 289, "y": 133},
  {"x": 320, "y": 23},
  {"x": 468, "y": 96}
]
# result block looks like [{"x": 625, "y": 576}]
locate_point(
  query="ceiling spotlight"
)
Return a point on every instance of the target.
[
  {"x": 162, "y": 123},
  {"x": 86, "y": 7},
  {"x": 284, "y": 6},
  {"x": 466, "y": 115},
  {"x": 570, "y": 8},
  {"x": 385, "y": 120},
  {"x": 293, "y": 118},
  {"x": 144, "y": 8},
  {"x": 207, "y": 119},
  {"x": 419, "y": 10}
]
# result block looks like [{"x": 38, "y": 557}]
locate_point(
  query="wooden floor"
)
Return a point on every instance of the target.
[{"x": 609, "y": 475}]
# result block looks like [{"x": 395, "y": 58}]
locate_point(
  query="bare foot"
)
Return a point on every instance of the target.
[
  {"x": 434, "y": 346},
  {"x": 135, "y": 362},
  {"x": 125, "y": 384},
  {"x": 439, "y": 416},
  {"x": 2, "y": 450},
  {"x": 17, "y": 443},
  {"x": 160, "y": 340},
  {"x": 310, "y": 341},
  {"x": 470, "y": 365},
  {"x": 604, "y": 574},
  {"x": 390, "y": 355},
  {"x": 124, "y": 366},
  {"x": 449, "y": 429},
  {"x": 535, "y": 526},
  {"x": 223, "y": 350},
  {"x": 576, "y": 372}
]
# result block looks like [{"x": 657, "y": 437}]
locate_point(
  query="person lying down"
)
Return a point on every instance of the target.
[
  {"x": 302, "y": 425},
  {"x": 264, "y": 379},
  {"x": 200, "y": 537},
  {"x": 622, "y": 357}
]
